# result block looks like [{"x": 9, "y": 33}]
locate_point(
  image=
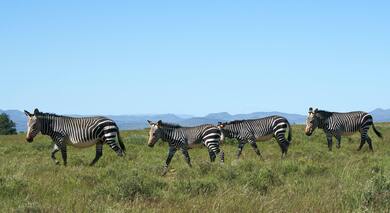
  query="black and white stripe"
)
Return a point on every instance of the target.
[
  {"x": 341, "y": 124},
  {"x": 258, "y": 130},
  {"x": 184, "y": 138},
  {"x": 78, "y": 132}
]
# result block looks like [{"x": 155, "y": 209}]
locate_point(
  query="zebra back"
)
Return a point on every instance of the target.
[{"x": 245, "y": 129}]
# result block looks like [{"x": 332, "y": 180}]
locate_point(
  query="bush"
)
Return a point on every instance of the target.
[
  {"x": 289, "y": 168},
  {"x": 196, "y": 186},
  {"x": 12, "y": 187},
  {"x": 205, "y": 167},
  {"x": 312, "y": 168},
  {"x": 138, "y": 186},
  {"x": 227, "y": 174},
  {"x": 7, "y": 126},
  {"x": 377, "y": 193},
  {"x": 261, "y": 180}
]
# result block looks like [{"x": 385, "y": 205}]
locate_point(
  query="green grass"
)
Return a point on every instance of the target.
[{"x": 310, "y": 179}]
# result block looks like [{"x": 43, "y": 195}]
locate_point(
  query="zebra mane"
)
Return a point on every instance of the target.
[
  {"x": 322, "y": 114},
  {"x": 46, "y": 114},
  {"x": 233, "y": 122},
  {"x": 170, "y": 125}
]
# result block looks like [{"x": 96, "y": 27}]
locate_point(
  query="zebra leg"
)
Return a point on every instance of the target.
[
  {"x": 369, "y": 143},
  {"x": 330, "y": 141},
  {"x": 114, "y": 146},
  {"x": 99, "y": 153},
  {"x": 215, "y": 153},
  {"x": 212, "y": 155},
  {"x": 338, "y": 144},
  {"x": 363, "y": 137},
  {"x": 255, "y": 148},
  {"x": 362, "y": 142},
  {"x": 186, "y": 156},
  {"x": 171, "y": 153},
  {"x": 64, "y": 154},
  {"x": 283, "y": 143},
  {"x": 53, "y": 153},
  {"x": 222, "y": 156},
  {"x": 240, "y": 147}
]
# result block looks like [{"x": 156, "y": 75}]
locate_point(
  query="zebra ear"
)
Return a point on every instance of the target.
[
  {"x": 27, "y": 113},
  {"x": 310, "y": 110},
  {"x": 150, "y": 122},
  {"x": 36, "y": 111},
  {"x": 159, "y": 123},
  {"x": 316, "y": 110}
]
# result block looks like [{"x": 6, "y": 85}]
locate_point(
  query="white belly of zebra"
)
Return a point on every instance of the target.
[{"x": 82, "y": 144}]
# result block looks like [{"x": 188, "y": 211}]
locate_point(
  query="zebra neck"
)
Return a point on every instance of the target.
[
  {"x": 170, "y": 134},
  {"x": 322, "y": 123},
  {"x": 49, "y": 125},
  {"x": 231, "y": 131}
]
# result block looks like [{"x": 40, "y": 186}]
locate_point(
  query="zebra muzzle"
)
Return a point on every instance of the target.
[{"x": 29, "y": 140}]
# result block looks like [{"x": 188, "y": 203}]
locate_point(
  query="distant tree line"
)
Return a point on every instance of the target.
[{"x": 7, "y": 126}]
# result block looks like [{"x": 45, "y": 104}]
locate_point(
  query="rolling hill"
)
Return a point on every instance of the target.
[{"x": 129, "y": 122}]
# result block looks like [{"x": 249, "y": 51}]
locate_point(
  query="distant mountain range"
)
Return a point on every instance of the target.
[{"x": 139, "y": 121}]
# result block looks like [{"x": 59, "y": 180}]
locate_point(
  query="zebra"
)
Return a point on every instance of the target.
[
  {"x": 183, "y": 138},
  {"x": 341, "y": 124},
  {"x": 78, "y": 132},
  {"x": 253, "y": 130}
]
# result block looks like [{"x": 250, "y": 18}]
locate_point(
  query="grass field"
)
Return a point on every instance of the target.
[{"x": 310, "y": 179}]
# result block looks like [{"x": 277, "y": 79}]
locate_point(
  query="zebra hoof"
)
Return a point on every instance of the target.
[{"x": 165, "y": 171}]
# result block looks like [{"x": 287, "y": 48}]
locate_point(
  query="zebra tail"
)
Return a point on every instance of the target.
[
  {"x": 289, "y": 137},
  {"x": 376, "y": 131},
  {"x": 120, "y": 141}
]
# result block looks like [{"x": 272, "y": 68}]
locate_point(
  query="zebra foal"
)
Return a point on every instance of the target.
[{"x": 78, "y": 132}]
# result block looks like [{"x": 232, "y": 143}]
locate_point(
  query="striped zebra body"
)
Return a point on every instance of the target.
[
  {"x": 336, "y": 124},
  {"x": 258, "y": 130},
  {"x": 78, "y": 132},
  {"x": 184, "y": 138}
]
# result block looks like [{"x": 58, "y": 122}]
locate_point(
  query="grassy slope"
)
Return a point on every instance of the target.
[{"x": 310, "y": 179}]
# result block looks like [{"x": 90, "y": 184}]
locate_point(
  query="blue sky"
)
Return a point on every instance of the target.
[{"x": 141, "y": 57}]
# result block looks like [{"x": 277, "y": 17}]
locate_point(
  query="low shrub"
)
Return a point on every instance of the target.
[
  {"x": 376, "y": 194},
  {"x": 262, "y": 180},
  {"x": 196, "y": 186}
]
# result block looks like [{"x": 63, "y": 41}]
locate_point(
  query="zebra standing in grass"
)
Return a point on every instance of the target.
[
  {"x": 341, "y": 124},
  {"x": 258, "y": 130},
  {"x": 183, "y": 138},
  {"x": 78, "y": 132}
]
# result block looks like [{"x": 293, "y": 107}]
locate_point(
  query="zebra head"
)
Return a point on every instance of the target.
[
  {"x": 154, "y": 132},
  {"x": 221, "y": 127},
  {"x": 33, "y": 125},
  {"x": 311, "y": 122}
]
